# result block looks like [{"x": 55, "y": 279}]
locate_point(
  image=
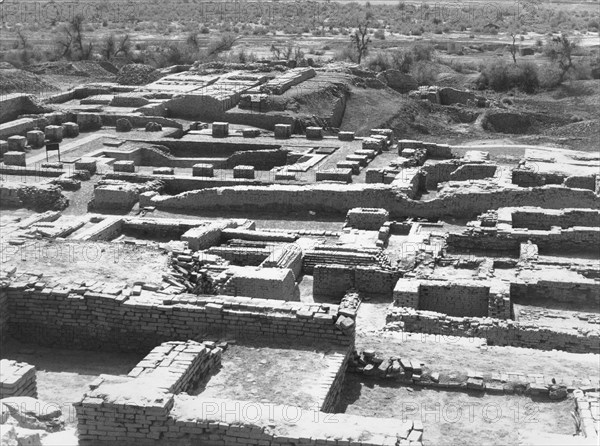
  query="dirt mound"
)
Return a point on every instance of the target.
[
  {"x": 97, "y": 70},
  {"x": 583, "y": 129},
  {"x": 137, "y": 74},
  {"x": 457, "y": 80},
  {"x": 399, "y": 81},
  {"x": 225, "y": 67},
  {"x": 502, "y": 121},
  {"x": 20, "y": 81}
]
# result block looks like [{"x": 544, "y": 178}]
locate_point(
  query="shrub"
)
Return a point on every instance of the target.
[
  {"x": 424, "y": 72},
  {"x": 502, "y": 76},
  {"x": 346, "y": 53},
  {"x": 379, "y": 62},
  {"x": 379, "y": 34}
]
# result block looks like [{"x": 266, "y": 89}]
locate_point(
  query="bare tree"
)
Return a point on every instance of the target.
[
  {"x": 513, "y": 47},
  {"x": 560, "y": 50},
  {"x": 361, "y": 39},
  {"x": 113, "y": 48},
  {"x": 72, "y": 40},
  {"x": 225, "y": 43}
]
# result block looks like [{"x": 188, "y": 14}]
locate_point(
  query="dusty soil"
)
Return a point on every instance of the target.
[
  {"x": 276, "y": 374},
  {"x": 95, "y": 261},
  {"x": 20, "y": 81},
  {"x": 451, "y": 418},
  {"x": 455, "y": 354},
  {"x": 63, "y": 375}
]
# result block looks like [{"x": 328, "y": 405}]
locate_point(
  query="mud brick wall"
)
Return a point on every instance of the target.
[
  {"x": 576, "y": 238},
  {"x": 335, "y": 381},
  {"x": 17, "y": 379},
  {"x": 4, "y": 313},
  {"x": 333, "y": 280},
  {"x": 78, "y": 318},
  {"x": 496, "y": 332},
  {"x": 500, "y": 301},
  {"x": 338, "y": 199},
  {"x": 475, "y": 171},
  {"x": 466, "y": 298},
  {"x": 204, "y": 237},
  {"x": 367, "y": 218},
  {"x": 546, "y": 218},
  {"x": 287, "y": 255},
  {"x": 581, "y": 182},
  {"x": 584, "y": 292},
  {"x": 586, "y": 409},
  {"x": 183, "y": 420},
  {"x": 265, "y": 283},
  {"x": 406, "y": 293},
  {"x": 454, "y": 299},
  {"x": 259, "y": 159},
  {"x": 241, "y": 255},
  {"x": 439, "y": 172},
  {"x": 179, "y": 365}
]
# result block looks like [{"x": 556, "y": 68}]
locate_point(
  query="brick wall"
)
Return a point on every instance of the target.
[
  {"x": 464, "y": 298},
  {"x": 17, "y": 379},
  {"x": 183, "y": 420},
  {"x": 241, "y": 255},
  {"x": 334, "y": 280},
  {"x": 454, "y": 299},
  {"x": 367, "y": 218},
  {"x": 576, "y": 238},
  {"x": 78, "y": 318},
  {"x": 495, "y": 331},
  {"x": 546, "y": 218},
  {"x": 330, "y": 198},
  {"x": 584, "y": 292},
  {"x": 4, "y": 314}
]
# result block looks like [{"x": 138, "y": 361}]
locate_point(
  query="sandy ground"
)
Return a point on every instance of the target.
[
  {"x": 275, "y": 374},
  {"x": 63, "y": 375},
  {"x": 453, "y": 418}
]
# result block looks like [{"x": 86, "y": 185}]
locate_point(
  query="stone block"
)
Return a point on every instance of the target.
[
  {"x": 54, "y": 133},
  {"x": 373, "y": 144},
  {"x": 220, "y": 129},
  {"x": 374, "y": 176},
  {"x": 86, "y": 163},
  {"x": 70, "y": 129},
  {"x": 314, "y": 133},
  {"x": 346, "y": 136},
  {"x": 202, "y": 170},
  {"x": 153, "y": 127},
  {"x": 343, "y": 175},
  {"x": 283, "y": 131},
  {"x": 285, "y": 176},
  {"x": 89, "y": 121},
  {"x": 124, "y": 166},
  {"x": 123, "y": 125},
  {"x": 243, "y": 172},
  {"x": 354, "y": 165},
  {"x": 363, "y": 160},
  {"x": 15, "y": 159},
  {"x": 17, "y": 143},
  {"x": 36, "y": 138},
  {"x": 250, "y": 133}
]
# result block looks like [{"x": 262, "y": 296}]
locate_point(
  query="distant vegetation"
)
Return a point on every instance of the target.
[{"x": 188, "y": 31}]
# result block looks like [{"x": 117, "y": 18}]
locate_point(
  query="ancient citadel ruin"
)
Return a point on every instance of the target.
[{"x": 190, "y": 220}]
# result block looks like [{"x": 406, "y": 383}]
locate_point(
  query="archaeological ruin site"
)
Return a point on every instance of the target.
[{"x": 199, "y": 260}]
